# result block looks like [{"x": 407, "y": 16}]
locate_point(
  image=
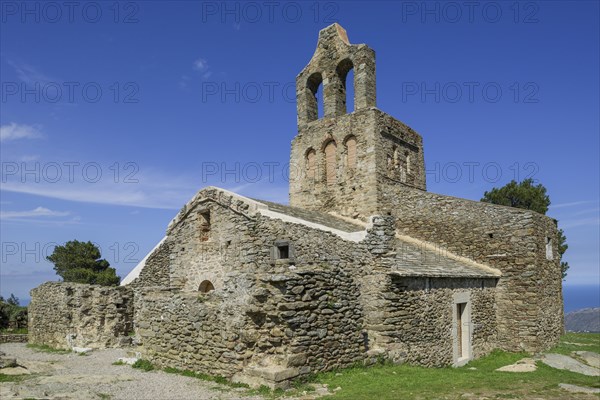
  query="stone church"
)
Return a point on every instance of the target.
[{"x": 363, "y": 264}]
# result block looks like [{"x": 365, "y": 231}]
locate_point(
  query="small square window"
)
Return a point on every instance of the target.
[{"x": 283, "y": 251}]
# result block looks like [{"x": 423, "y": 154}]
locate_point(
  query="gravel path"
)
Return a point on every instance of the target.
[{"x": 71, "y": 376}]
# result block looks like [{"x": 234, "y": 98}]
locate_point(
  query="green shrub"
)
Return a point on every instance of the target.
[{"x": 144, "y": 365}]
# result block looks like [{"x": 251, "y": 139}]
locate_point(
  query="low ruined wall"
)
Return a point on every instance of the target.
[
  {"x": 310, "y": 321},
  {"x": 63, "y": 315},
  {"x": 191, "y": 331},
  {"x": 13, "y": 338}
]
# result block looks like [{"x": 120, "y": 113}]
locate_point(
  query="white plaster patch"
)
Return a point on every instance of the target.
[{"x": 350, "y": 236}]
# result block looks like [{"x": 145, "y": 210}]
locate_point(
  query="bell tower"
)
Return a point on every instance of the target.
[{"x": 341, "y": 161}]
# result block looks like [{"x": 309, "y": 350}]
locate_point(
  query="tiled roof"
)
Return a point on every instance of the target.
[
  {"x": 413, "y": 259},
  {"x": 314, "y": 216}
]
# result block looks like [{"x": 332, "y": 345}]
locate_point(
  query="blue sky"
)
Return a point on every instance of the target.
[{"x": 113, "y": 116}]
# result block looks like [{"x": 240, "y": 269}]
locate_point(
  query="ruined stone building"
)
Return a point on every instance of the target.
[{"x": 364, "y": 262}]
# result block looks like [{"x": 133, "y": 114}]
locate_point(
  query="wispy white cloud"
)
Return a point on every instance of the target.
[
  {"x": 573, "y": 223},
  {"x": 572, "y": 204},
  {"x": 200, "y": 65},
  {"x": 149, "y": 190},
  {"x": 35, "y": 213},
  {"x": 14, "y": 131},
  {"x": 29, "y": 74},
  {"x": 587, "y": 211},
  {"x": 184, "y": 82},
  {"x": 263, "y": 189}
]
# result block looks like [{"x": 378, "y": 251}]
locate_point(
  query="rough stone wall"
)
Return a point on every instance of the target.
[
  {"x": 529, "y": 294},
  {"x": 224, "y": 256},
  {"x": 13, "y": 338},
  {"x": 483, "y": 315},
  {"x": 399, "y": 153},
  {"x": 386, "y": 150},
  {"x": 156, "y": 269},
  {"x": 301, "y": 321},
  {"x": 329, "y": 66},
  {"x": 63, "y": 315},
  {"x": 418, "y": 324},
  {"x": 317, "y": 316},
  {"x": 355, "y": 192},
  {"x": 325, "y": 306},
  {"x": 189, "y": 330},
  {"x": 309, "y": 320},
  {"x": 546, "y": 282}
]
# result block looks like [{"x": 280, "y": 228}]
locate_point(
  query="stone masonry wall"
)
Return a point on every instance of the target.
[
  {"x": 529, "y": 294},
  {"x": 189, "y": 330},
  {"x": 13, "y": 338},
  {"x": 398, "y": 152},
  {"x": 318, "y": 309},
  {"x": 313, "y": 318},
  {"x": 418, "y": 327},
  {"x": 386, "y": 151},
  {"x": 355, "y": 192},
  {"x": 309, "y": 320},
  {"x": 63, "y": 315},
  {"x": 334, "y": 57},
  {"x": 156, "y": 269}
]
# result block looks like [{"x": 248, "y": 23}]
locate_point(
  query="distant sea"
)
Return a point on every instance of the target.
[{"x": 581, "y": 296}]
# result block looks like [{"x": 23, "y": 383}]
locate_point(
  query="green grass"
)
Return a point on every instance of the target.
[
  {"x": 44, "y": 348},
  {"x": 19, "y": 331},
  {"x": 383, "y": 382},
  {"x": 11, "y": 378},
  {"x": 566, "y": 345},
  {"x": 119, "y": 362},
  {"x": 387, "y": 381},
  {"x": 144, "y": 365}
]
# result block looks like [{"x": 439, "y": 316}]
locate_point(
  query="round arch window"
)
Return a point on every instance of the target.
[{"x": 206, "y": 286}]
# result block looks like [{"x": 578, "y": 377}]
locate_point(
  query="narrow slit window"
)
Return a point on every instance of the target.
[
  {"x": 204, "y": 218},
  {"x": 311, "y": 157},
  {"x": 549, "y": 254},
  {"x": 330, "y": 163},
  {"x": 460, "y": 333},
  {"x": 351, "y": 153}
]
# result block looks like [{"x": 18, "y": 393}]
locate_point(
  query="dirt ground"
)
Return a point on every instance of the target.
[{"x": 92, "y": 376}]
